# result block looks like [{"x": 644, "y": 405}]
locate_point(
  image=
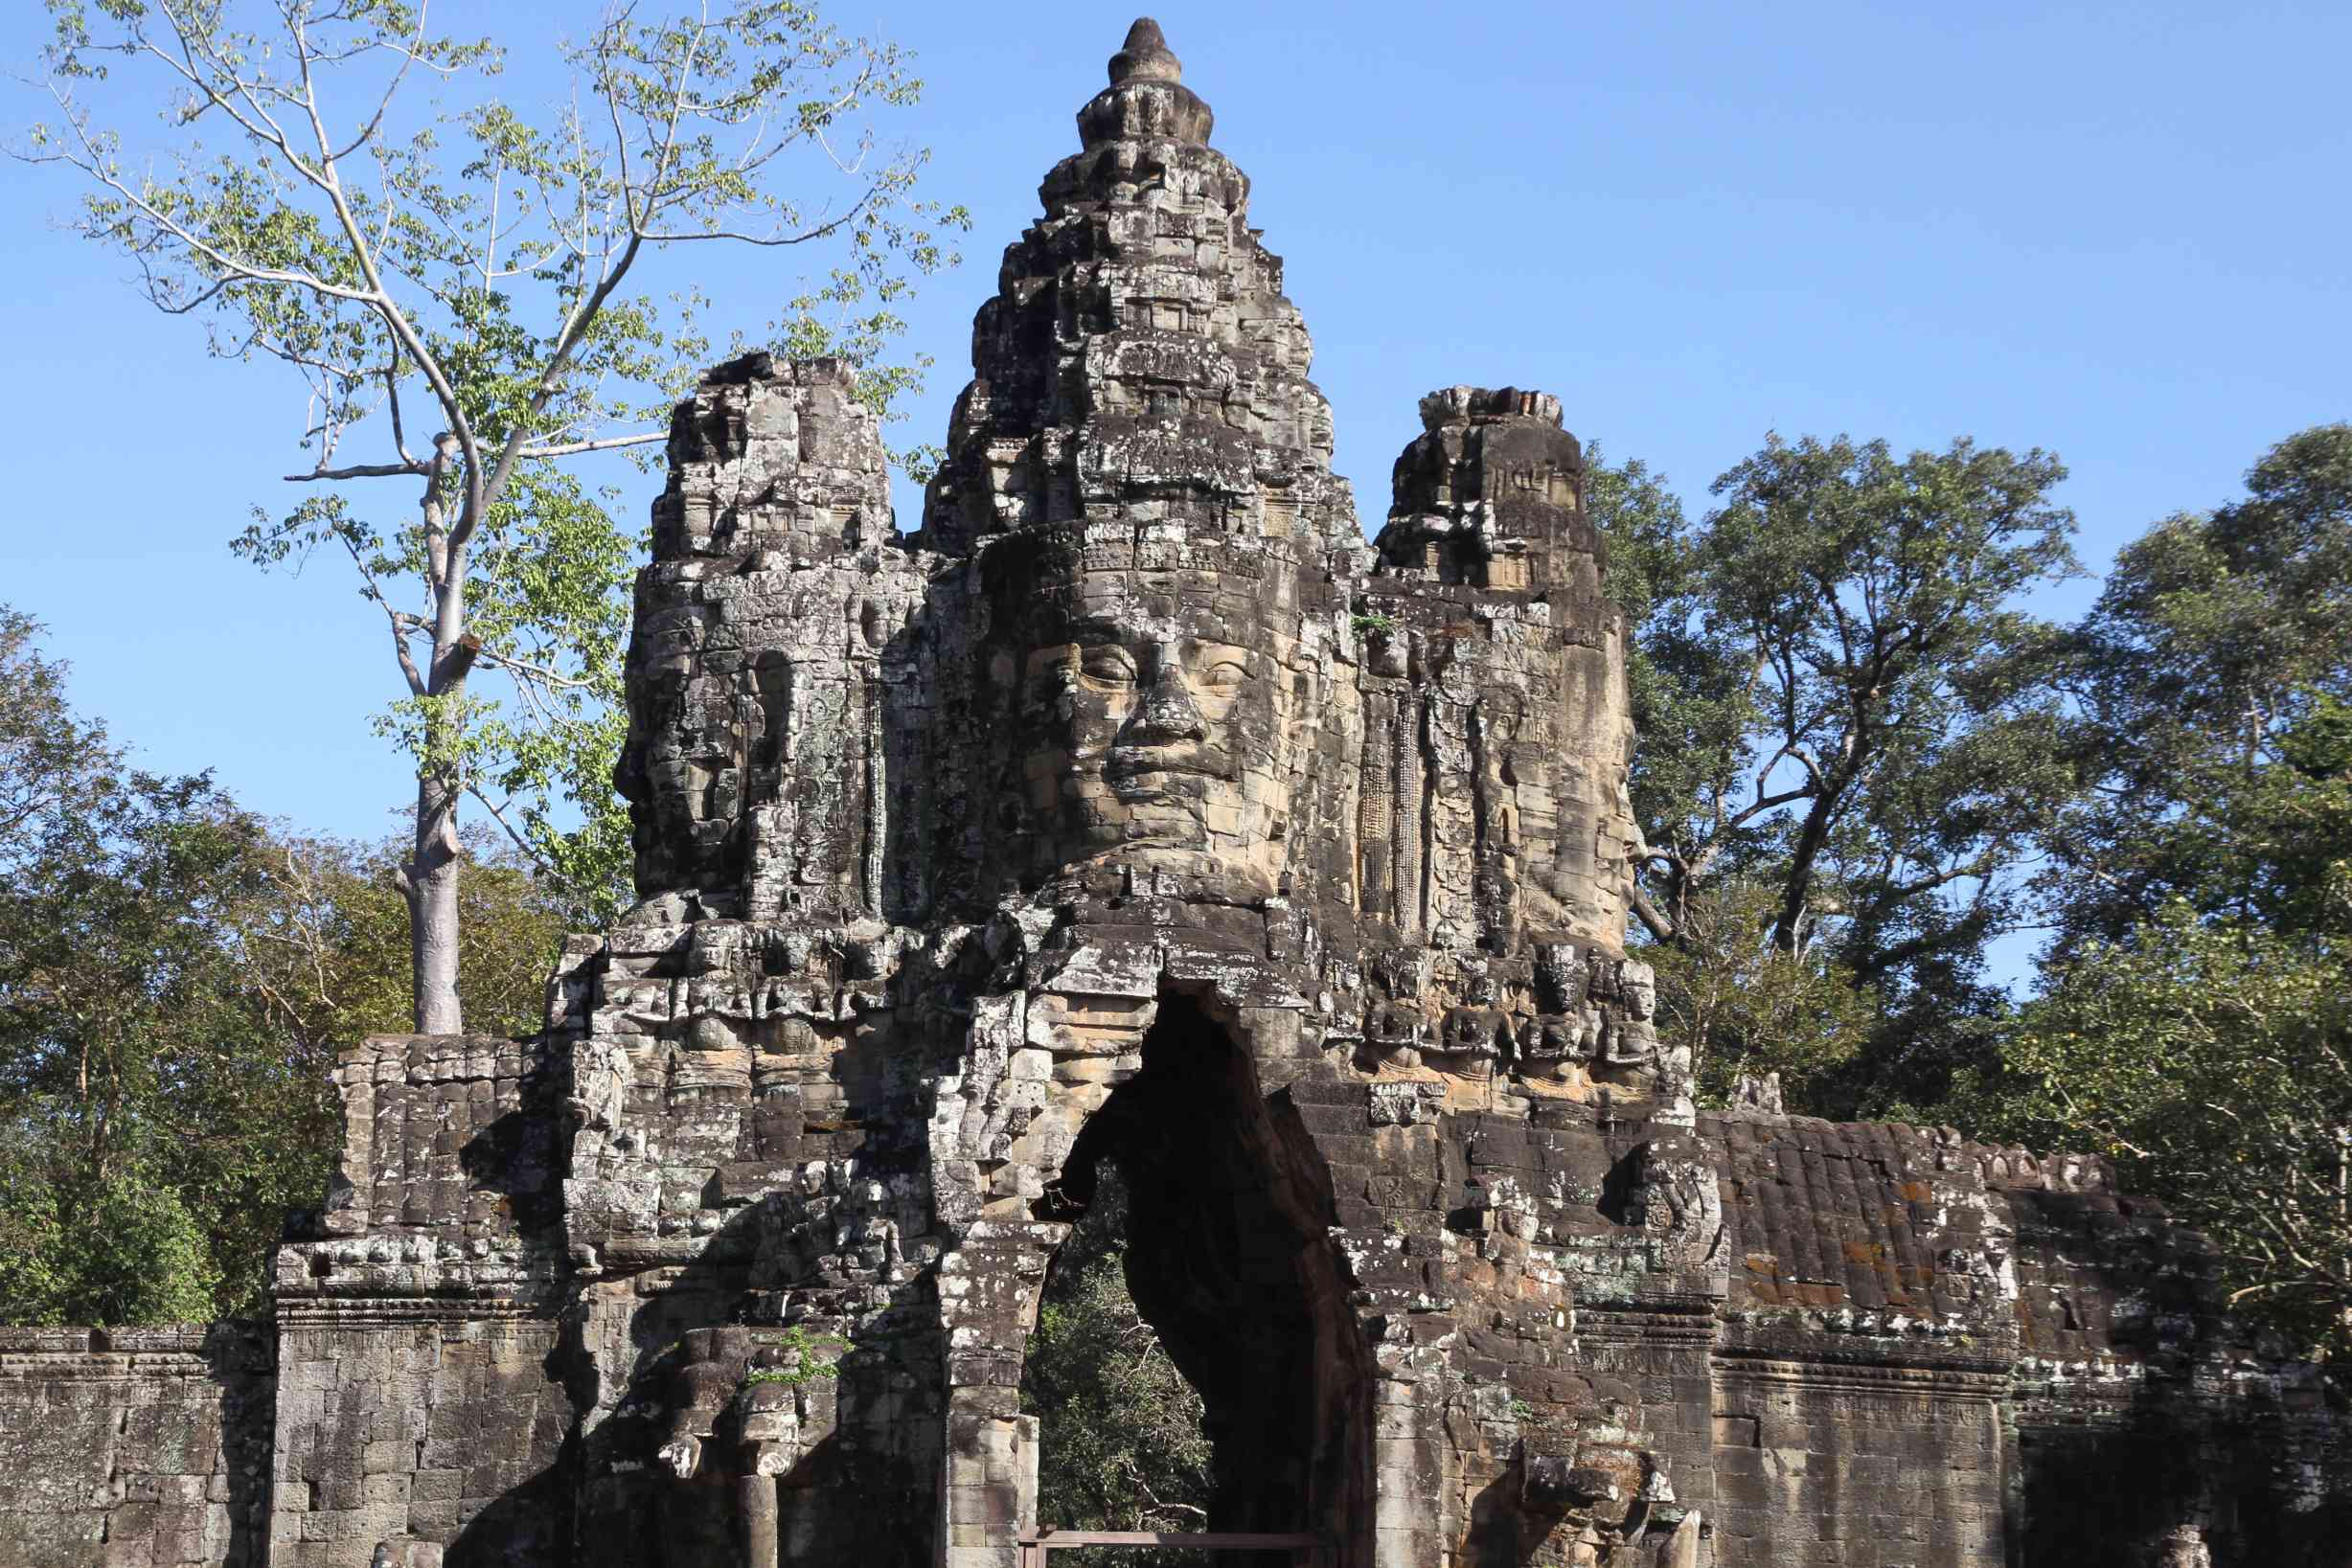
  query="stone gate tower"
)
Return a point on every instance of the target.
[
  {"x": 1132, "y": 808},
  {"x": 1136, "y": 809}
]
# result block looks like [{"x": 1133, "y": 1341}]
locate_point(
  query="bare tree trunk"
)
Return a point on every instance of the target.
[
  {"x": 1798, "y": 890},
  {"x": 430, "y": 884},
  {"x": 429, "y": 879}
]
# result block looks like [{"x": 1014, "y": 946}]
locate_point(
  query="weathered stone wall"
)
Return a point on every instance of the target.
[
  {"x": 2140, "y": 1407},
  {"x": 439, "y": 1425},
  {"x": 1825, "y": 1461},
  {"x": 419, "y": 1390},
  {"x": 1869, "y": 1331},
  {"x": 1589, "y": 1329},
  {"x": 147, "y": 1446}
]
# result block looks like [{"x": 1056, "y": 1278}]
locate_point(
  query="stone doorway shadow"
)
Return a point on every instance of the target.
[{"x": 1229, "y": 1261}]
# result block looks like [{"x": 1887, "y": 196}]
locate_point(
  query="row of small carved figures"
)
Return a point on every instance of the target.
[{"x": 1401, "y": 1034}]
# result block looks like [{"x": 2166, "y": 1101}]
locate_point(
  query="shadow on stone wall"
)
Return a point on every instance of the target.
[
  {"x": 853, "y": 1489},
  {"x": 2189, "y": 1423},
  {"x": 237, "y": 1352},
  {"x": 522, "y": 1526}
]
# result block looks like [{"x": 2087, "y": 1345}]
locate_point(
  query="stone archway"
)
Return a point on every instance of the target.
[{"x": 1229, "y": 1260}]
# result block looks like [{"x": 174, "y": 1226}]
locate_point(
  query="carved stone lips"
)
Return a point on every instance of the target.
[{"x": 1133, "y": 765}]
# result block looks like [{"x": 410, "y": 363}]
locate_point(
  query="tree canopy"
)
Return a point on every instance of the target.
[
  {"x": 176, "y": 979},
  {"x": 1847, "y": 748},
  {"x": 2192, "y": 1020},
  {"x": 2214, "y": 679}
]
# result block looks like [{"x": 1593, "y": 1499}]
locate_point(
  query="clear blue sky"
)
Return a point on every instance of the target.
[{"x": 2116, "y": 232}]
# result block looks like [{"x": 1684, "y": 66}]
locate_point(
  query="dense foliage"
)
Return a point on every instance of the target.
[
  {"x": 1864, "y": 764},
  {"x": 1848, "y": 750},
  {"x": 2195, "y": 1018},
  {"x": 177, "y": 977},
  {"x": 2214, "y": 676},
  {"x": 2212, "y": 1062}
]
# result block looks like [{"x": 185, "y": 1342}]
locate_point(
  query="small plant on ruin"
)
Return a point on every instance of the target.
[{"x": 799, "y": 1346}]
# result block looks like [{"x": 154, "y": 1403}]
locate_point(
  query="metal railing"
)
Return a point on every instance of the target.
[{"x": 1311, "y": 1550}]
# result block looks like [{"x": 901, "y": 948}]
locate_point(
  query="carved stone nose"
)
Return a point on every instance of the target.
[{"x": 1167, "y": 715}]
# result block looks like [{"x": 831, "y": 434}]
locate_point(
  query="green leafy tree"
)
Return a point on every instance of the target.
[
  {"x": 122, "y": 1250},
  {"x": 177, "y": 979},
  {"x": 107, "y": 941},
  {"x": 1692, "y": 704},
  {"x": 2213, "y": 1060},
  {"x": 314, "y": 958},
  {"x": 175, "y": 986},
  {"x": 1849, "y": 745},
  {"x": 457, "y": 287},
  {"x": 1757, "y": 1010},
  {"x": 322, "y": 950},
  {"x": 87, "y": 1234},
  {"x": 2214, "y": 676},
  {"x": 2194, "y": 1021},
  {"x": 111, "y": 981},
  {"x": 1121, "y": 1440},
  {"x": 46, "y": 752},
  {"x": 1746, "y": 1007},
  {"x": 1900, "y": 696}
]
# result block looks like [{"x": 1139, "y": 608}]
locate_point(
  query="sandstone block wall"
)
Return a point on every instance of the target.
[
  {"x": 419, "y": 1392},
  {"x": 1822, "y": 1462},
  {"x": 446, "y": 1430},
  {"x": 135, "y": 1446}
]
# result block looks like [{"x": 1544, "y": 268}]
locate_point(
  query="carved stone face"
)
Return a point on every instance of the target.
[
  {"x": 1564, "y": 976},
  {"x": 1474, "y": 1031},
  {"x": 1150, "y": 736},
  {"x": 1556, "y": 1037},
  {"x": 1639, "y": 988}
]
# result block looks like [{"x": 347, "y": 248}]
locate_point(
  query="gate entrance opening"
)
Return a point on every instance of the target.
[{"x": 1228, "y": 1260}]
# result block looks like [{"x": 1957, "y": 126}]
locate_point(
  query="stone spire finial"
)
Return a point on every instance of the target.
[
  {"x": 1147, "y": 99},
  {"x": 1144, "y": 57}
]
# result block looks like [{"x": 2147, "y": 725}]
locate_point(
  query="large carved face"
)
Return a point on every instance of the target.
[{"x": 1154, "y": 710}]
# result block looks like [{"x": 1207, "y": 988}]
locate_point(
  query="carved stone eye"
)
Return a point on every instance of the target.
[
  {"x": 1108, "y": 665},
  {"x": 1224, "y": 678}
]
